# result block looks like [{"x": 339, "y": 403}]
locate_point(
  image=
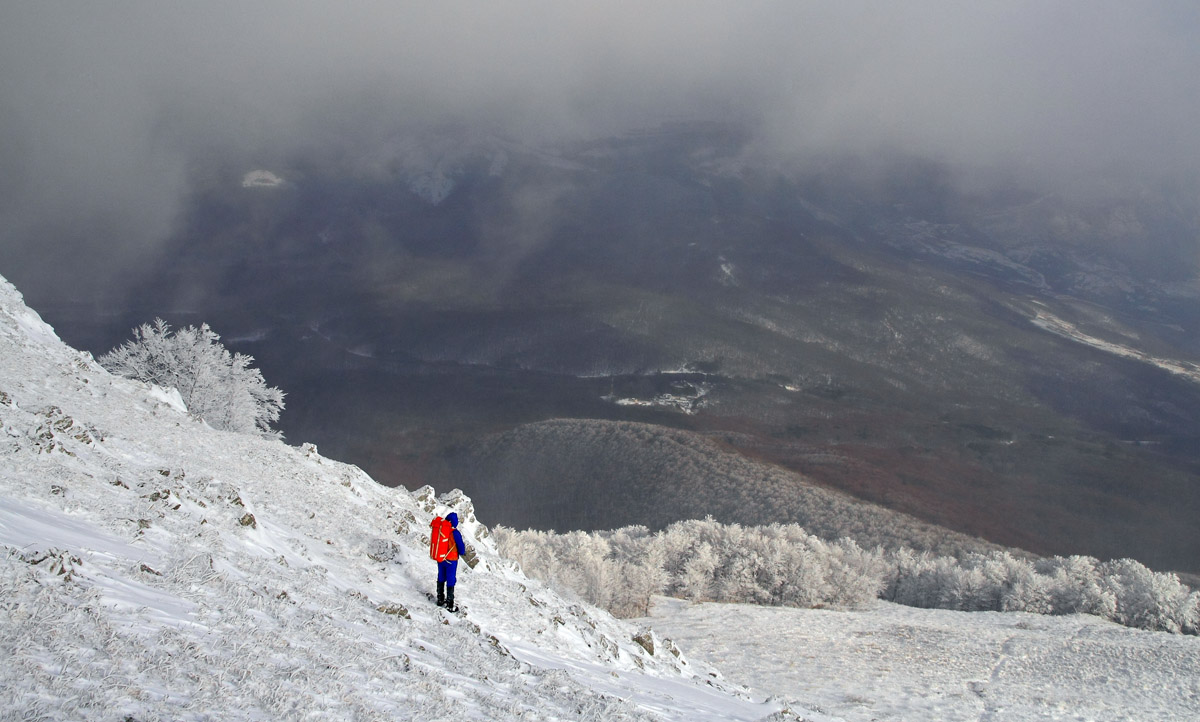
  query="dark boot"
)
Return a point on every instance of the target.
[
  {"x": 450, "y": 599},
  {"x": 441, "y": 600}
]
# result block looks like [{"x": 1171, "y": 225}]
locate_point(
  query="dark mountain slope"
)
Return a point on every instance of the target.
[
  {"x": 1004, "y": 363},
  {"x": 569, "y": 474}
]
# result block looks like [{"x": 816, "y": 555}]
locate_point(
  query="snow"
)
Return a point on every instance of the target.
[
  {"x": 1047, "y": 321},
  {"x": 261, "y": 179},
  {"x": 155, "y": 568},
  {"x": 689, "y": 399},
  {"x": 32, "y": 327},
  {"x": 170, "y": 397},
  {"x": 23, "y": 524},
  {"x": 899, "y": 663},
  {"x": 728, "y": 275}
]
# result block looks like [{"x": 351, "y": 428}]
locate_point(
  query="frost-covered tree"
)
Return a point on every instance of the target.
[
  {"x": 1148, "y": 599},
  {"x": 782, "y": 564},
  {"x": 217, "y": 386},
  {"x": 856, "y": 575},
  {"x": 803, "y": 583},
  {"x": 1022, "y": 589},
  {"x": 1074, "y": 587},
  {"x": 641, "y": 572},
  {"x": 585, "y": 566},
  {"x": 697, "y": 577}
]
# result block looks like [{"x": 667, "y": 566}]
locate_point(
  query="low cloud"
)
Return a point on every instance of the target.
[{"x": 105, "y": 107}]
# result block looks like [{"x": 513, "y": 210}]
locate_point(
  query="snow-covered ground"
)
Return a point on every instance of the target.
[
  {"x": 899, "y": 663},
  {"x": 154, "y": 568}
]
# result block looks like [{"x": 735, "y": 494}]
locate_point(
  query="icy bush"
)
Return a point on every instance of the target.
[
  {"x": 783, "y": 565},
  {"x": 1149, "y": 600},
  {"x": 1074, "y": 587},
  {"x": 217, "y": 386}
]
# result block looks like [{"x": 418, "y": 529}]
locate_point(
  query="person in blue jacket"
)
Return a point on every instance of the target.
[{"x": 448, "y": 570}]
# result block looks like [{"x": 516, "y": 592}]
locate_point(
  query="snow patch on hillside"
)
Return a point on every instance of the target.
[
  {"x": 728, "y": 274},
  {"x": 1049, "y": 322},
  {"x": 686, "y": 397},
  {"x": 261, "y": 179}
]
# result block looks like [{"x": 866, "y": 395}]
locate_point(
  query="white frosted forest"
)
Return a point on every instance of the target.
[{"x": 783, "y": 565}]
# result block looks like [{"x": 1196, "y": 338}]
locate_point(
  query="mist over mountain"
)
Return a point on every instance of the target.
[{"x": 939, "y": 259}]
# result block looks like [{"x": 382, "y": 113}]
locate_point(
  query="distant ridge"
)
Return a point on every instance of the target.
[{"x": 571, "y": 473}]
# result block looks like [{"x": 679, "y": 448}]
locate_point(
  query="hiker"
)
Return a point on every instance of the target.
[{"x": 445, "y": 547}]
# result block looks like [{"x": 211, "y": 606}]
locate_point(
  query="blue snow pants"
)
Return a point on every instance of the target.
[{"x": 447, "y": 572}]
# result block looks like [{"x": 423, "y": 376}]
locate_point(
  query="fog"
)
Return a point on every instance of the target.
[{"x": 105, "y": 107}]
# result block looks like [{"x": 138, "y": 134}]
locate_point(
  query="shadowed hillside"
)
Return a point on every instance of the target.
[{"x": 569, "y": 474}]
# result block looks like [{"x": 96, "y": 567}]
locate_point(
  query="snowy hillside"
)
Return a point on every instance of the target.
[
  {"x": 154, "y": 568},
  {"x": 899, "y": 663}
]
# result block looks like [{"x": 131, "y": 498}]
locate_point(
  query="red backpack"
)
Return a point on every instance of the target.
[{"x": 441, "y": 541}]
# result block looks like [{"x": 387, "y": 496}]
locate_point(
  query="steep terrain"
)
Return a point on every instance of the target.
[{"x": 153, "y": 568}]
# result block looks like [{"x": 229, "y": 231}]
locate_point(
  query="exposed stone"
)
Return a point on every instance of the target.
[
  {"x": 646, "y": 640},
  {"x": 382, "y": 550},
  {"x": 470, "y": 557},
  {"x": 394, "y": 609},
  {"x": 670, "y": 647}
]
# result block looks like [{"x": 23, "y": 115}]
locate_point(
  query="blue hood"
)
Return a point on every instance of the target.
[{"x": 452, "y": 518}]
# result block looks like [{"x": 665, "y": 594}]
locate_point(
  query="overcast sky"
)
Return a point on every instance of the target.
[{"x": 102, "y": 104}]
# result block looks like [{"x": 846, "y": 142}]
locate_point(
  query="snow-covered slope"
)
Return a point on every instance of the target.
[
  {"x": 153, "y": 568},
  {"x": 898, "y": 663}
]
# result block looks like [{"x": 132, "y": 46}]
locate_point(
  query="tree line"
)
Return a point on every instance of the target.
[{"x": 783, "y": 565}]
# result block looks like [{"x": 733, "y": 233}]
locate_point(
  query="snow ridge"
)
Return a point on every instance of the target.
[{"x": 155, "y": 568}]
